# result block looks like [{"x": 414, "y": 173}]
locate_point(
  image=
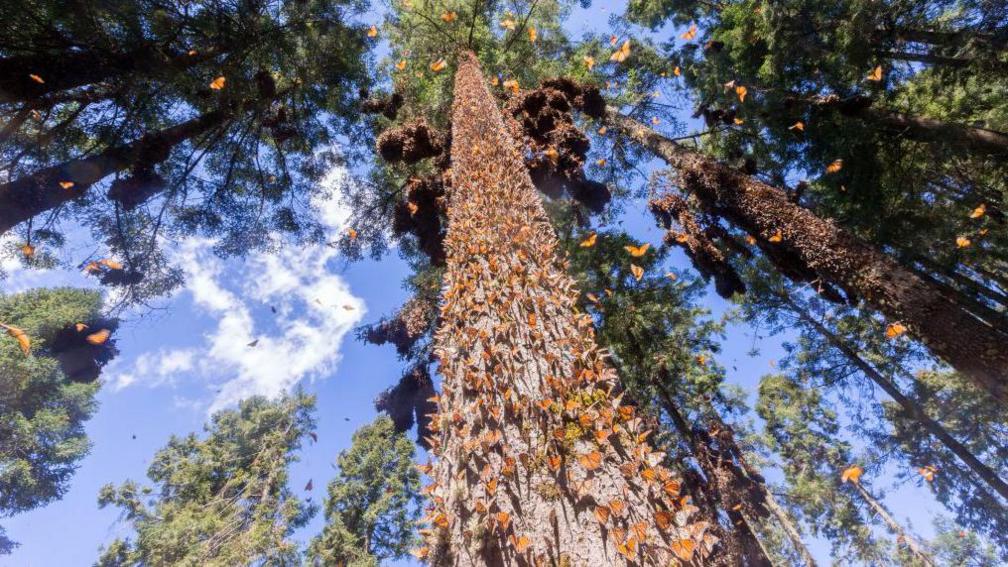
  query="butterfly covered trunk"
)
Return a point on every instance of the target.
[{"x": 536, "y": 460}]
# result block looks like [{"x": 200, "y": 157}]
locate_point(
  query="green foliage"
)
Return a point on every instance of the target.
[
  {"x": 896, "y": 437},
  {"x": 658, "y": 335},
  {"x": 804, "y": 432},
  {"x": 42, "y": 411},
  {"x": 970, "y": 416},
  {"x": 907, "y": 188},
  {"x": 373, "y": 502},
  {"x": 955, "y": 546},
  {"x": 292, "y": 72},
  {"x": 221, "y": 500}
]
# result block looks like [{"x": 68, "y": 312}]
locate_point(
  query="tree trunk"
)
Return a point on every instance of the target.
[
  {"x": 986, "y": 313},
  {"x": 919, "y": 128},
  {"x": 538, "y": 462},
  {"x": 954, "y": 39},
  {"x": 902, "y": 537},
  {"x": 980, "y": 140},
  {"x": 951, "y": 332},
  {"x": 910, "y": 406},
  {"x": 978, "y": 288},
  {"x": 42, "y": 191},
  {"x": 789, "y": 528},
  {"x": 744, "y": 542},
  {"x": 927, "y": 58},
  {"x": 754, "y": 477},
  {"x": 62, "y": 71}
]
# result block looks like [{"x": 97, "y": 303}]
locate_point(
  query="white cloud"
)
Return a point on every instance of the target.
[
  {"x": 154, "y": 368},
  {"x": 15, "y": 277},
  {"x": 314, "y": 311}
]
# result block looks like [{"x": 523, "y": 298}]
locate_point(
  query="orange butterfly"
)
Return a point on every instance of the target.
[
  {"x": 591, "y": 461},
  {"x": 637, "y": 251},
  {"x": 621, "y": 54},
  {"x": 852, "y": 474},
  {"x": 638, "y": 271},
  {"x": 20, "y": 336}
]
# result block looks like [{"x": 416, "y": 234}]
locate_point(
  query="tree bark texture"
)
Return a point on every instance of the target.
[
  {"x": 920, "y": 128},
  {"x": 537, "y": 462},
  {"x": 951, "y": 332},
  {"x": 48, "y": 188},
  {"x": 727, "y": 489}
]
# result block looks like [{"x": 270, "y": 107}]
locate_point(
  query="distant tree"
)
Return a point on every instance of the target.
[
  {"x": 970, "y": 416},
  {"x": 825, "y": 487},
  {"x": 956, "y": 546},
  {"x": 48, "y": 382},
  {"x": 221, "y": 500},
  {"x": 933, "y": 431},
  {"x": 373, "y": 502}
]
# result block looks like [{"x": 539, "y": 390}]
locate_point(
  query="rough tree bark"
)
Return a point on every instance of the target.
[
  {"x": 769, "y": 500},
  {"x": 537, "y": 460},
  {"x": 48, "y": 188},
  {"x": 902, "y": 536},
  {"x": 723, "y": 486},
  {"x": 749, "y": 476},
  {"x": 910, "y": 406},
  {"x": 931, "y": 130},
  {"x": 951, "y": 332},
  {"x": 955, "y": 39}
]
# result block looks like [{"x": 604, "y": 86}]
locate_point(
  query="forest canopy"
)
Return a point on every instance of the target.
[{"x": 665, "y": 282}]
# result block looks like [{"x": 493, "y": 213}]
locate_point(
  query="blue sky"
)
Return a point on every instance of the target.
[{"x": 180, "y": 362}]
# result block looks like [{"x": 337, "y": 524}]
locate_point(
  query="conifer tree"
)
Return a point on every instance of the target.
[
  {"x": 221, "y": 500},
  {"x": 211, "y": 119},
  {"x": 528, "y": 466},
  {"x": 808, "y": 247},
  {"x": 54, "y": 344},
  {"x": 373, "y": 502},
  {"x": 825, "y": 485}
]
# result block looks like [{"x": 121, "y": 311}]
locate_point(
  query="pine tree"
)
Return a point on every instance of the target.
[
  {"x": 372, "y": 505},
  {"x": 48, "y": 372},
  {"x": 824, "y": 483},
  {"x": 221, "y": 500},
  {"x": 214, "y": 119},
  {"x": 527, "y": 465},
  {"x": 806, "y": 246}
]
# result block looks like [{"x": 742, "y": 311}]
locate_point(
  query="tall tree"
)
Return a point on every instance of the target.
[
  {"x": 907, "y": 157},
  {"x": 929, "y": 422},
  {"x": 228, "y": 137},
  {"x": 824, "y": 484},
  {"x": 373, "y": 502},
  {"x": 221, "y": 500},
  {"x": 528, "y": 466},
  {"x": 806, "y": 243},
  {"x": 971, "y": 417},
  {"x": 48, "y": 372}
]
